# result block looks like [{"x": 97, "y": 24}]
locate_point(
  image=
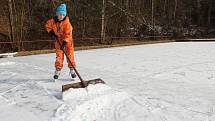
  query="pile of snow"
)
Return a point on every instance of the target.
[{"x": 97, "y": 103}]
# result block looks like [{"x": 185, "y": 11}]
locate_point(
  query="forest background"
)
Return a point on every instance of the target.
[{"x": 105, "y": 22}]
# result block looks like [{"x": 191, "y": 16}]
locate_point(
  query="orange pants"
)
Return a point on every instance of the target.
[{"x": 69, "y": 49}]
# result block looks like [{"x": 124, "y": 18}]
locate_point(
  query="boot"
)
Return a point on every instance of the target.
[
  {"x": 56, "y": 73},
  {"x": 72, "y": 72}
]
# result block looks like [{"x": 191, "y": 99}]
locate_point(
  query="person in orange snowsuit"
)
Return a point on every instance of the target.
[{"x": 60, "y": 29}]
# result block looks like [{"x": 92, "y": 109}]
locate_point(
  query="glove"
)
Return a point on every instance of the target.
[
  {"x": 63, "y": 45},
  {"x": 52, "y": 35}
]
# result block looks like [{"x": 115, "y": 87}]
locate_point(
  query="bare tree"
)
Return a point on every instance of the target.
[
  {"x": 175, "y": 9},
  {"x": 209, "y": 12},
  {"x": 199, "y": 12},
  {"x": 11, "y": 19},
  {"x": 103, "y": 22}
]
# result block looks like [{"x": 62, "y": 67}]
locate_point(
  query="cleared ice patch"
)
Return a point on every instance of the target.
[
  {"x": 31, "y": 97},
  {"x": 98, "y": 103},
  {"x": 7, "y": 63},
  {"x": 10, "y": 110},
  {"x": 6, "y": 75}
]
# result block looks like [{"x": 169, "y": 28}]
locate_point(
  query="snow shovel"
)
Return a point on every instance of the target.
[{"x": 82, "y": 83}]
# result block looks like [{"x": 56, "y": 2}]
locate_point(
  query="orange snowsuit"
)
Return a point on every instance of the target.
[{"x": 63, "y": 30}]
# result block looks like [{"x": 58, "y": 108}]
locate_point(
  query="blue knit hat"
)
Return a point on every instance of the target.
[{"x": 61, "y": 9}]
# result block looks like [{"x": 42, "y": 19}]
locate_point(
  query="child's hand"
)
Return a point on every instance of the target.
[
  {"x": 63, "y": 45},
  {"x": 52, "y": 35}
]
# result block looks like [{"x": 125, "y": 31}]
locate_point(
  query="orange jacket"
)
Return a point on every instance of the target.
[{"x": 62, "y": 29}]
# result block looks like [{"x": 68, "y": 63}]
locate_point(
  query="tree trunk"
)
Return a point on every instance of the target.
[
  {"x": 199, "y": 12},
  {"x": 152, "y": 17},
  {"x": 175, "y": 10},
  {"x": 209, "y": 12},
  {"x": 103, "y": 22},
  {"x": 11, "y": 19}
]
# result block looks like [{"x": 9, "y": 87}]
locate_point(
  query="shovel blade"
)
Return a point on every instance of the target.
[{"x": 80, "y": 85}]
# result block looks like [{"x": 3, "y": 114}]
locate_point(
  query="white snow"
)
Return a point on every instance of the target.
[
  {"x": 158, "y": 82},
  {"x": 7, "y": 63},
  {"x": 6, "y": 55}
]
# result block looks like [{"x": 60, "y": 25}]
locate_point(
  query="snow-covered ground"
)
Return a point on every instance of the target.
[{"x": 159, "y": 82}]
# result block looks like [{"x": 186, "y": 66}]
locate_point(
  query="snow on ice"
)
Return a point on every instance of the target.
[{"x": 158, "y": 82}]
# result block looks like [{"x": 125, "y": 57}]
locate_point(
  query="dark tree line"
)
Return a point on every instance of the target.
[
  {"x": 142, "y": 17},
  {"x": 112, "y": 18}
]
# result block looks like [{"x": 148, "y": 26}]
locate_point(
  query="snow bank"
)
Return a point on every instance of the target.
[
  {"x": 6, "y": 55},
  {"x": 98, "y": 103}
]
